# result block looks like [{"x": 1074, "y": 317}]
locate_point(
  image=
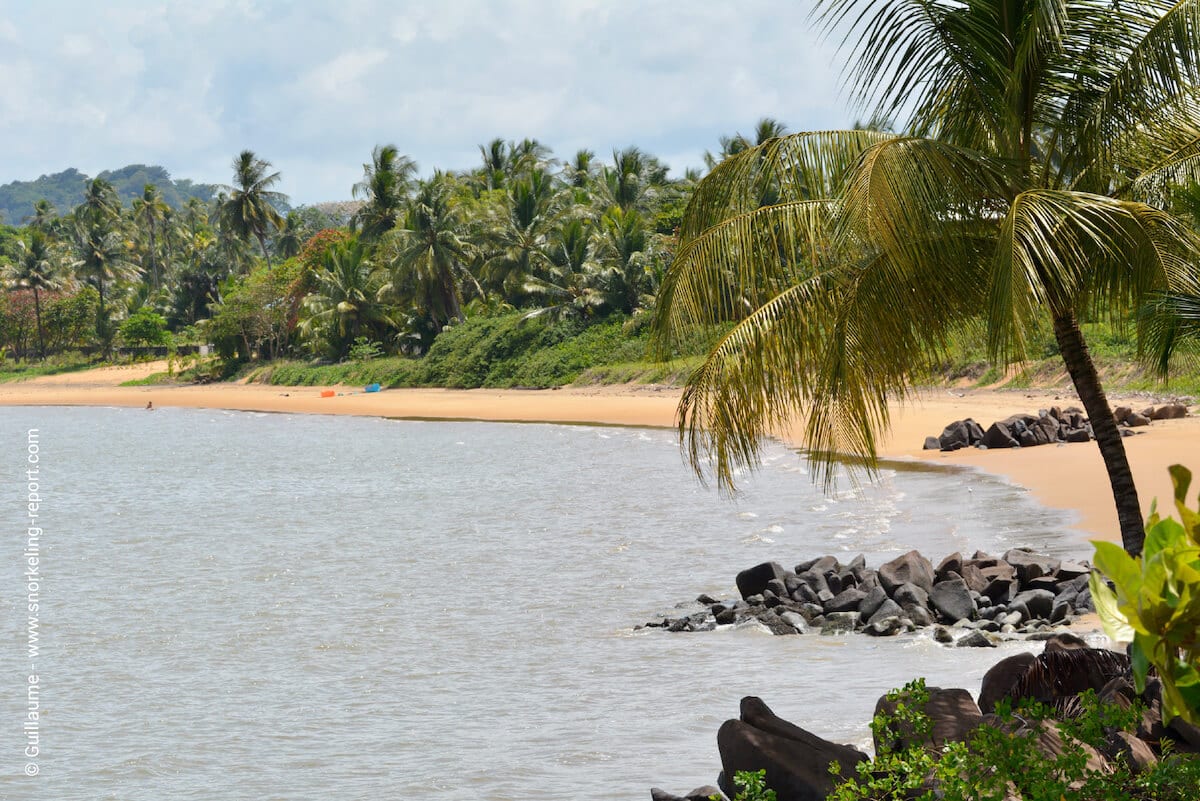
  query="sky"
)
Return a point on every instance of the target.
[{"x": 312, "y": 86}]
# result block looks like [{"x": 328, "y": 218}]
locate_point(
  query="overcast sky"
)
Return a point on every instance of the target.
[{"x": 313, "y": 86}]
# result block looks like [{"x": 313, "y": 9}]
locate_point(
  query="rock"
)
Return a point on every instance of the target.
[
  {"x": 1038, "y": 602},
  {"x": 873, "y": 600},
  {"x": 1121, "y": 746},
  {"x": 975, "y": 639},
  {"x": 1051, "y": 741},
  {"x": 910, "y": 596},
  {"x": 974, "y": 577},
  {"x": 999, "y": 435},
  {"x": 1064, "y": 642},
  {"x": 1136, "y": 420},
  {"x": 723, "y": 615},
  {"x": 846, "y": 601},
  {"x": 754, "y": 580},
  {"x": 1068, "y": 571},
  {"x": 952, "y": 599},
  {"x": 796, "y": 762},
  {"x": 943, "y": 635},
  {"x": 1001, "y": 678},
  {"x": 839, "y": 622},
  {"x": 910, "y": 568},
  {"x": 952, "y": 713},
  {"x": 796, "y": 621},
  {"x": 888, "y": 608},
  {"x": 885, "y": 627},
  {"x": 1083, "y": 434},
  {"x": 960, "y": 434},
  {"x": 699, "y": 794},
  {"x": 920, "y": 616},
  {"x": 951, "y": 564},
  {"x": 1168, "y": 411},
  {"x": 1029, "y": 565},
  {"x": 776, "y": 624},
  {"x": 858, "y": 563},
  {"x": 1121, "y": 414}
]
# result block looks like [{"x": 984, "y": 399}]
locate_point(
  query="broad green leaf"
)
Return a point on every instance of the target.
[
  {"x": 1116, "y": 626},
  {"x": 1112, "y": 560}
]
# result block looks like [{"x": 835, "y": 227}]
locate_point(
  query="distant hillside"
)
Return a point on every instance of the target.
[{"x": 65, "y": 190}]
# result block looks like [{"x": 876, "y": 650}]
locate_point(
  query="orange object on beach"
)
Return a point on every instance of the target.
[{"x": 327, "y": 393}]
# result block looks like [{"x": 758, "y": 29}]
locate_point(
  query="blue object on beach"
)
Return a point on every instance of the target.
[{"x": 372, "y": 388}]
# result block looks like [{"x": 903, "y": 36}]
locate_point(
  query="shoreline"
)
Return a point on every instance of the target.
[{"x": 1069, "y": 477}]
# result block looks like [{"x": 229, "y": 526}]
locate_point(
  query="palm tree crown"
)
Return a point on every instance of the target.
[
  {"x": 1042, "y": 137},
  {"x": 247, "y": 208}
]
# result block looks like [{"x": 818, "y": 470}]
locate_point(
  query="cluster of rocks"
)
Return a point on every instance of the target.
[
  {"x": 1046, "y": 427},
  {"x": 984, "y": 597},
  {"x": 797, "y": 762}
]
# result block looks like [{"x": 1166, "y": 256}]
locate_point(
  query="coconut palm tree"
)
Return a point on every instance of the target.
[
  {"x": 632, "y": 180},
  {"x": 36, "y": 268},
  {"x": 346, "y": 301},
  {"x": 151, "y": 211},
  {"x": 429, "y": 259},
  {"x": 101, "y": 258},
  {"x": 291, "y": 238},
  {"x": 45, "y": 216},
  {"x": 385, "y": 185},
  {"x": 1030, "y": 182},
  {"x": 247, "y": 207},
  {"x": 520, "y": 239}
]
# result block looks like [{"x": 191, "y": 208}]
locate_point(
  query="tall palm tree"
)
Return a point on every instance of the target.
[
  {"x": 430, "y": 259},
  {"x": 520, "y": 240},
  {"x": 151, "y": 211},
  {"x": 1030, "y": 181},
  {"x": 291, "y": 238},
  {"x": 247, "y": 208},
  {"x": 632, "y": 179},
  {"x": 765, "y": 129},
  {"x": 102, "y": 258},
  {"x": 346, "y": 300},
  {"x": 36, "y": 268},
  {"x": 385, "y": 185}
]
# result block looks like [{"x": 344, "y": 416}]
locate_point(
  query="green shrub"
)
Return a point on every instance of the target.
[{"x": 1155, "y": 605}]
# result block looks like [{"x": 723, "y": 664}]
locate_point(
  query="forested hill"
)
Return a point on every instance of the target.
[{"x": 65, "y": 190}]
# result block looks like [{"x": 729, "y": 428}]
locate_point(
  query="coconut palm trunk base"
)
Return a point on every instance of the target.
[{"x": 1083, "y": 374}]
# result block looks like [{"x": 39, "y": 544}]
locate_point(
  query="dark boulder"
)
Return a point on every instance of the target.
[
  {"x": 873, "y": 600},
  {"x": 1001, "y": 678},
  {"x": 846, "y": 601},
  {"x": 952, "y": 599},
  {"x": 885, "y": 610},
  {"x": 1168, "y": 411},
  {"x": 1136, "y": 420},
  {"x": 952, "y": 713},
  {"x": 951, "y": 564},
  {"x": 754, "y": 580},
  {"x": 1000, "y": 435},
  {"x": 796, "y": 761},
  {"x": 910, "y": 595},
  {"x": 909, "y": 568},
  {"x": 699, "y": 794},
  {"x": 975, "y": 639},
  {"x": 1039, "y": 603},
  {"x": 1030, "y": 565}
]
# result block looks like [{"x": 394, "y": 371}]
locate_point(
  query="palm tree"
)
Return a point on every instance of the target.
[
  {"x": 385, "y": 184},
  {"x": 151, "y": 211},
  {"x": 102, "y": 257},
  {"x": 291, "y": 238},
  {"x": 633, "y": 178},
  {"x": 430, "y": 259},
  {"x": 520, "y": 241},
  {"x": 247, "y": 208},
  {"x": 45, "y": 216},
  {"x": 765, "y": 129},
  {"x": 625, "y": 273},
  {"x": 346, "y": 301},
  {"x": 1029, "y": 182},
  {"x": 36, "y": 268}
]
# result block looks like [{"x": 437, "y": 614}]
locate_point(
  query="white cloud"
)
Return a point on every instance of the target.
[{"x": 313, "y": 86}]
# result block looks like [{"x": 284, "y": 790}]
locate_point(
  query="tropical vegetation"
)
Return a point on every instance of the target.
[{"x": 1032, "y": 183}]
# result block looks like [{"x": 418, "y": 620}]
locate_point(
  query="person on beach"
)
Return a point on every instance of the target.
[{"x": 149, "y": 406}]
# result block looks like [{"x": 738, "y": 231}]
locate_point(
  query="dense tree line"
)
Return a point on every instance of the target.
[{"x": 580, "y": 238}]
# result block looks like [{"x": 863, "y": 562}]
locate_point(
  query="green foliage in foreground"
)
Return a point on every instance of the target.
[
  {"x": 1156, "y": 602},
  {"x": 999, "y": 762},
  {"x": 752, "y": 786}
]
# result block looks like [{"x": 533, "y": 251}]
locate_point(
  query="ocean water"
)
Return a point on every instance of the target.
[{"x": 251, "y": 606}]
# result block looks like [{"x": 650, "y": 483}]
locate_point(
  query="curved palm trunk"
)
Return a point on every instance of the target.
[{"x": 1108, "y": 437}]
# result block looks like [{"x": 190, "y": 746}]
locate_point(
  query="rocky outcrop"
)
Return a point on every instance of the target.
[
  {"x": 981, "y": 598},
  {"x": 1046, "y": 427},
  {"x": 796, "y": 761}
]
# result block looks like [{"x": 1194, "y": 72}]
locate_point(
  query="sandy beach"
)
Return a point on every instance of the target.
[{"x": 1069, "y": 477}]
